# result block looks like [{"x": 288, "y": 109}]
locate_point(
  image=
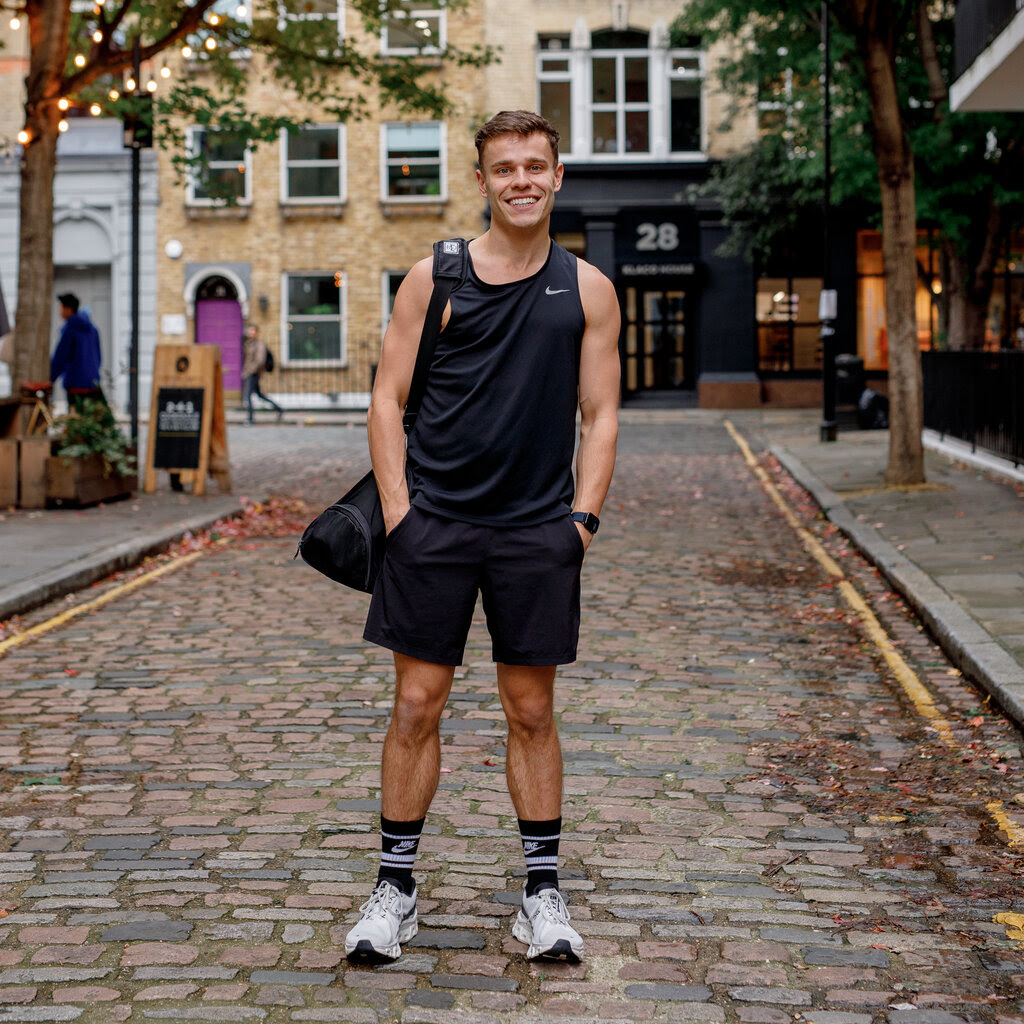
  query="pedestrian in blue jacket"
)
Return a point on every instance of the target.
[{"x": 77, "y": 356}]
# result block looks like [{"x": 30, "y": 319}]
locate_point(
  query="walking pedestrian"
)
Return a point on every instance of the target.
[
  {"x": 529, "y": 339},
  {"x": 254, "y": 362},
  {"x": 77, "y": 357}
]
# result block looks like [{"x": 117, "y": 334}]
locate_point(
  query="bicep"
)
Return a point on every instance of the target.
[
  {"x": 599, "y": 354},
  {"x": 402, "y": 337}
]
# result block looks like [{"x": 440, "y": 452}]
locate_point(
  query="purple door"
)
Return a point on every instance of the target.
[{"x": 219, "y": 322}]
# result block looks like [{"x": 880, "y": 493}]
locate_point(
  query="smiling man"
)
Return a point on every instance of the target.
[{"x": 529, "y": 340}]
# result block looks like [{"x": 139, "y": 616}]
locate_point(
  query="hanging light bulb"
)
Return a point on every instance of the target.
[
  {"x": 79, "y": 60},
  {"x": 15, "y": 23},
  {"x": 24, "y": 136},
  {"x": 241, "y": 12},
  {"x": 97, "y": 36},
  {"x": 114, "y": 94},
  {"x": 151, "y": 85},
  {"x": 63, "y": 103},
  {"x": 165, "y": 72},
  {"x": 130, "y": 85},
  {"x": 211, "y": 43},
  {"x": 62, "y": 125},
  {"x": 214, "y": 19},
  {"x": 95, "y": 110},
  {"x": 186, "y": 52}
]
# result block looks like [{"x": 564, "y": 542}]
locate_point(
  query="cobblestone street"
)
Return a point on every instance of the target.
[{"x": 761, "y": 825}]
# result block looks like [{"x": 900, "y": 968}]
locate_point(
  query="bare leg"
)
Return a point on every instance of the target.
[
  {"x": 411, "y": 762},
  {"x": 533, "y": 766}
]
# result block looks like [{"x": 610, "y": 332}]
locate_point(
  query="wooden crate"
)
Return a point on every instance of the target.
[
  {"x": 8, "y": 472},
  {"x": 81, "y": 481},
  {"x": 32, "y": 455}
]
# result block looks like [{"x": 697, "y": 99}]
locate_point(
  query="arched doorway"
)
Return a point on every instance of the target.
[{"x": 219, "y": 322}]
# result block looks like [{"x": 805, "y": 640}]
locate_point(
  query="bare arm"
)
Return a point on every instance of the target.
[
  {"x": 599, "y": 393},
  {"x": 391, "y": 390}
]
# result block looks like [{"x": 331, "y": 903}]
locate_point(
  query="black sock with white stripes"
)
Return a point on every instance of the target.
[
  {"x": 540, "y": 847},
  {"x": 398, "y": 843}
]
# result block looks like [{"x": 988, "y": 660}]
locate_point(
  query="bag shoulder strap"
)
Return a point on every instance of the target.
[{"x": 451, "y": 264}]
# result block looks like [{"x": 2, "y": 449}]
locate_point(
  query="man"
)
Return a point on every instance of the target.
[
  {"x": 77, "y": 356},
  {"x": 531, "y": 337}
]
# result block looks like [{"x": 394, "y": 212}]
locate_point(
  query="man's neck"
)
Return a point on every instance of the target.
[{"x": 500, "y": 257}]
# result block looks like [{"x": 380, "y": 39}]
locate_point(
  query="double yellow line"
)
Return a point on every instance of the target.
[{"x": 915, "y": 690}]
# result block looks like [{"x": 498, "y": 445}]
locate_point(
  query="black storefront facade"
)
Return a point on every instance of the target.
[{"x": 690, "y": 317}]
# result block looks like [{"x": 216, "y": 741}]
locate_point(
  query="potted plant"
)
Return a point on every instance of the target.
[{"x": 92, "y": 460}]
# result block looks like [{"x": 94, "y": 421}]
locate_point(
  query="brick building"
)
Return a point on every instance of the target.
[{"x": 326, "y": 223}]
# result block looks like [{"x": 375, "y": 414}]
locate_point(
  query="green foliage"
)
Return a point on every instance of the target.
[
  {"x": 963, "y": 162},
  {"x": 301, "y": 54},
  {"x": 91, "y": 429}
]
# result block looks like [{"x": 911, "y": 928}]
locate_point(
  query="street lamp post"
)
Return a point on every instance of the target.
[
  {"x": 827, "y": 305},
  {"x": 133, "y": 139}
]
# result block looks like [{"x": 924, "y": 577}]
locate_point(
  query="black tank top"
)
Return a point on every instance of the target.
[{"x": 496, "y": 431}]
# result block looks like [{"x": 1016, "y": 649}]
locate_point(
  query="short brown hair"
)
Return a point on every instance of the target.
[{"x": 516, "y": 122}]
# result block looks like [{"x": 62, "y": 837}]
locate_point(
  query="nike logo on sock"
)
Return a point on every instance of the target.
[
  {"x": 404, "y": 847},
  {"x": 554, "y": 291},
  {"x": 531, "y": 847}
]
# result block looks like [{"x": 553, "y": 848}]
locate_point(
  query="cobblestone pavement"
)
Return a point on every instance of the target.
[{"x": 760, "y": 827}]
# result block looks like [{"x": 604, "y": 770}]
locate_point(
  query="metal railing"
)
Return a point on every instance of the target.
[
  {"x": 977, "y": 397},
  {"x": 977, "y": 23}
]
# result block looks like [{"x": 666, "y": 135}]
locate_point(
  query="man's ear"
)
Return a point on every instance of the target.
[
  {"x": 559, "y": 171},
  {"x": 481, "y": 184}
]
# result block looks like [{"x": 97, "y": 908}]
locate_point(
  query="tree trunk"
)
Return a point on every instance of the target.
[
  {"x": 970, "y": 286},
  {"x": 899, "y": 243},
  {"x": 48, "y": 23}
]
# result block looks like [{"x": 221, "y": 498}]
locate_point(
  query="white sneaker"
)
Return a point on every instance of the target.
[
  {"x": 389, "y": 918},
  {"x": 543, "y": 924}
]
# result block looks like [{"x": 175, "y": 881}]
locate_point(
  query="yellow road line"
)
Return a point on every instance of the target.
[
  {"x": 912, "y": 686},
  {"x": 915, "y": 690},
  {"x": 110, "y": 595}
]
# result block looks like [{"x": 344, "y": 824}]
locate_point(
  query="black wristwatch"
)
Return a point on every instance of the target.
[{"x": 589, "y": 521}]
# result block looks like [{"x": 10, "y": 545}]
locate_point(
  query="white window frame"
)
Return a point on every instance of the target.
[
  {"x": 385, "y": 163},
  {"x": 438, "y": 11},
  {"x": 286, "y": 163},
  {"x": 284, "y": 16},
  {"x": 658, "y": 104},
  {"x": 341, "y": 318},
  {"x": 191, "y": 134}
]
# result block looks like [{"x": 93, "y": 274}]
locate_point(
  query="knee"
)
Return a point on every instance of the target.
[
  {"x": 417, "y": 713},
  {"x": 530, "y": 718}
]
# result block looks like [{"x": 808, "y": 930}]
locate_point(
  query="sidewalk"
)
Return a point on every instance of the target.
[{"x": 954, "y": 549}]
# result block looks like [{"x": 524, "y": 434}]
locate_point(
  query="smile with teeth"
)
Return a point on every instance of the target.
[{"x": 523, "y": 201}]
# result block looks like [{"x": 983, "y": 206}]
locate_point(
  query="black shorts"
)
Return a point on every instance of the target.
[{"x": 529, "y": 577}]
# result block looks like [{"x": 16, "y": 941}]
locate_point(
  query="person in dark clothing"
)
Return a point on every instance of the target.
[
  {"x": 77, "y": 356},
  {"x": 529, "y": 340}
]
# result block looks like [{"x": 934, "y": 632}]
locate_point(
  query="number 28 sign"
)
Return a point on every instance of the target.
[
  {"x": 651, "y": 237},
  {"x": 657, "y": 243}
]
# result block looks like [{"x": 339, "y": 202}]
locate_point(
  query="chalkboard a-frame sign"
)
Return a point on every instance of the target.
[
  {"x": 179, "y": 420},
  {"x": 187, "y": 430}
]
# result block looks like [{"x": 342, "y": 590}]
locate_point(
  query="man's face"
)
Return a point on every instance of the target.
[
  {"x": 65, "y": 311},
  {"x": 519, "y": 176}
]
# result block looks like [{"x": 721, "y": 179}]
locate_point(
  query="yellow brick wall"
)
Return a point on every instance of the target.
[
  {"x": 514, "y": 28},
  {"x": 363, "y": 241}
]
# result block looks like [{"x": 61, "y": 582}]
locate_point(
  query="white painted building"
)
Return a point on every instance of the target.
[{"x": 92, "y": 247}]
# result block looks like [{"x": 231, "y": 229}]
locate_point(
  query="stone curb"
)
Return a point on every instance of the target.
[
  {"x": 81, "y": 572},
  {"x": 966, "y": 642}
]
